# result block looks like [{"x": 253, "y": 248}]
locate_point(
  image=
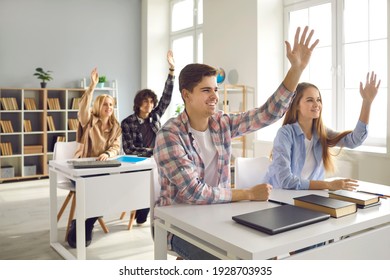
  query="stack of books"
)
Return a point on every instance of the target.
[
  {"x": 9, "y": 103},
  {"x": 6, "y": 149},
  {"x": 54, "y": 104},
  {"x": 33, "y": 149},
  {"x": 6, "y": 126},
  {"x": 73, "y": 123},
  {"x": 27, "y": 126},
  {"x": 50, "y": 123},
  {"x": 362, "y": 200},
  {"x": 29, "y": 104}
]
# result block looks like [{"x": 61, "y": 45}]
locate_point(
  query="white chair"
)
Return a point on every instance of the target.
[
  {"x": 249, "y": 172},
  {"x": 66, "y": 150}
]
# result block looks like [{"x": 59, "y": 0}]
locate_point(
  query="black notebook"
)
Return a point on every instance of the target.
[
  {"x": 280, "y": 219},
  {"x": 95, "y": 163}
]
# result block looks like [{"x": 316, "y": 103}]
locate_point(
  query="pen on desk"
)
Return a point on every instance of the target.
[
  {"x": 377, "y": 194},
  {"x": 277, "y": 202}
]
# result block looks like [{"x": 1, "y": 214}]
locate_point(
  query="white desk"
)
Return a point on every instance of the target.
[
  {"x": 211, "y": 228},
  {"x": 121, "y": 188}
]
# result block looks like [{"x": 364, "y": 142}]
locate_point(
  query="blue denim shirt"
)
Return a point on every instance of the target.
[{"x": 289, "y": 155}]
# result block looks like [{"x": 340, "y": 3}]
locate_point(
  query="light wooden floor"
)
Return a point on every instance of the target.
[{"x": 24, "y": 228}]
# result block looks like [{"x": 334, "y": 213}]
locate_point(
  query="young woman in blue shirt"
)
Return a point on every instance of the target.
[{"x": 302, "y": 147}]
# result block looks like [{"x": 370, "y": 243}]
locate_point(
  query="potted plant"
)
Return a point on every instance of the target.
[
  {"x": 102, "y": 80},
  {"x": 44, "y": 76}
]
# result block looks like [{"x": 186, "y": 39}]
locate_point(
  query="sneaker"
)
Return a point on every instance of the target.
[{"x": 89, "y": 225}]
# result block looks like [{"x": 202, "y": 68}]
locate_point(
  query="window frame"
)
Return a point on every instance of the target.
[{"x": 338, "y": 68}]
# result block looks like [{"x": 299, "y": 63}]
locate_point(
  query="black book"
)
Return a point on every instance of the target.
[{"x": 280, "y": 219}]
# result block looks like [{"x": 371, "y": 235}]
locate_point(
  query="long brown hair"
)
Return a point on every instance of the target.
[{"x": 326, "y": 142}]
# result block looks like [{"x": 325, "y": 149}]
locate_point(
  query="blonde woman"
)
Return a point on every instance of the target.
[{"x": 98, "y": 135}]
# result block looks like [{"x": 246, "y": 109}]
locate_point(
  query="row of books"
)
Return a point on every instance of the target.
[
  {"x": 54, "y": 104},
  {"x": 339, "y": 203},
  {"x": 29, "y": 104},
  {"x": 9, "y": 103},
  {"x": 6, "y": 149},
  {"x": 6, "y": 126},
  {"x": 73, "y": 123},
  {"x": 50, "y": 123},
  {"x": 33, "y": 149},
  {"x": 61, "y": 139}
]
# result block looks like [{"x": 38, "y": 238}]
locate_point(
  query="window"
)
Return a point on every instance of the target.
[
  {"x": 353, "y": 41},
  {"x": 186, "y": 35}
]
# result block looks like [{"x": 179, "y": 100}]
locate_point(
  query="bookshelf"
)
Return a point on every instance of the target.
[
  {"x": 236, "y": 99},
  {"x": 32, "y": 121}
]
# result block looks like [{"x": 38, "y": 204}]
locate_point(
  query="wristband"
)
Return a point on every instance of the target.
[
  {"x": 107, "y": 153},
  {"x": 171, "y": 69}
]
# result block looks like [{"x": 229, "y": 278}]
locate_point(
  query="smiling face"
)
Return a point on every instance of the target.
[
  {"x": 202, "y": 102},
  {"x": 107, "y": 107},
  {"x": 310, "y": 105},
  {"x": 146, "y": 107}
]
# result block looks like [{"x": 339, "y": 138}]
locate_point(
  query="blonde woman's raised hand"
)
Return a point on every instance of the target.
[
  {"x": 94, "y": 77},
  {"x": 370, "y": 89}
]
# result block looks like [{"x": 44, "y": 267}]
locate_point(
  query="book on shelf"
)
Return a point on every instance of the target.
[
  {"x": 60, "y": 139},
  {"x": 334, "y": 207},
  {"x": 33, "y": 149},
  {"x": 54, "y": 104},
  {"x": 75, "y": 103},
  {"x": 9, "y": 103},
  {"x": 50, "y": 123},
  {"x": 27, "y": 126},
  {"x": 6, "y": 149},
  {"x": 73, "y": 123},
  {"x": 362, "y": 200},
  {"x": 29, "y": 104},
  {"x": 6, "y": 126}
]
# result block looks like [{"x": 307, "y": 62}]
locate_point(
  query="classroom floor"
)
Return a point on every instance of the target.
[{"x": 24, "y": 228}]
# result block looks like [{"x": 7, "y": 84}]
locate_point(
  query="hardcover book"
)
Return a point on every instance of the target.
[
  {"x": 334, "y": 207},
  {"x": 361, "y": 199}
]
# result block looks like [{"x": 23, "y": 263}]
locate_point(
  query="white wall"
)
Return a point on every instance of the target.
[{"x": 71, "y": 37}]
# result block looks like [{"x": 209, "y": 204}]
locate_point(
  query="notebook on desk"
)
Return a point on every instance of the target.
[
  {"x": 280, "y": 219},
  {"x": 95, "y": 163}
]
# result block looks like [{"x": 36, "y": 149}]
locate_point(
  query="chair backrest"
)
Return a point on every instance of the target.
[
  {"x": 249, "y": 172},
  {"x": 64, "y": 150}
]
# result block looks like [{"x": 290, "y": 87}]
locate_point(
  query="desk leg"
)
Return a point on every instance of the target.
[
  {"x": 53, "y": 207},
  {"x": 80, "y": 218},
  {"x": 160, "y": 241}
]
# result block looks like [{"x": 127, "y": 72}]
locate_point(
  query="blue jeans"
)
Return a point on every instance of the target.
[{"x": 189, "y": 251}]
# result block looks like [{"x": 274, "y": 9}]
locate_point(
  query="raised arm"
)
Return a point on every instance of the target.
[
  {"x": 368, "y": 93},
  {"x": 299, "y": 57},
  {"x": 86, "y": 99},
  {"x": 171, "y": 62}
]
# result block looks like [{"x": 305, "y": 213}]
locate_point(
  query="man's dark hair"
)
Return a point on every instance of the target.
[
  {"x": 142, "y": 95},
  {"x": 192, "y": 74}
]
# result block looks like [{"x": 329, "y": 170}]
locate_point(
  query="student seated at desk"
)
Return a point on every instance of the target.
[
  {"x": 301, "y": 152},
  {"x": 193, "y": 150},
  {"x": 98, "y": 135},
  {"x": 140, "y": 128}
]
